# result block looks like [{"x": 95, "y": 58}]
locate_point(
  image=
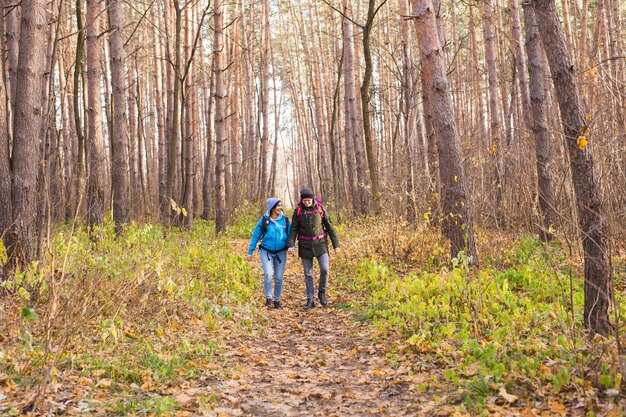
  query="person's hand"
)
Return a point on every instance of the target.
[
  {"x": 337, "y": 250},
  {"x": 249, "y": 257},
  {"x": 291, "y": 251}
]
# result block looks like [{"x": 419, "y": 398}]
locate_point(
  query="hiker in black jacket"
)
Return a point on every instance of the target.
[{"x": 312, "y": 227}]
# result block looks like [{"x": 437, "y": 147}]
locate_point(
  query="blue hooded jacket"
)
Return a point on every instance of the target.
[{"x": 275, "y": 238}]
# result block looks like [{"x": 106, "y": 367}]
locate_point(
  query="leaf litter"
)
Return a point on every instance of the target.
[{"x": 286, "y": 362}]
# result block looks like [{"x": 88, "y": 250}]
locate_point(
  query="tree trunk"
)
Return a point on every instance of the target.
[
  {"x": 78, "y": 122},
  {"x": 495, "y": 133},
  {"x": 209, "y": 168},
  {"x": 119, "y": 140},
  {"x": 349, "y": 99},
  {"x": 365, "y": 103},
  {"x": 96, "y": 184},
  {"x": 6, "y": 212},
  {"x": 353, "y": 123},
  {"x": 189, "y": 136},
  {"x": 265, "y": 74},
  {"x": 220, "y": 120},
  {"x": 174, "y": 138},
  {"x": 539, "y": 124},
  {"x": 591, "y": 218},
  {"x": 519, "y": 61},
  {"x": 13, "y": 48},
  {"x": 27, "y": 125},
  {"x": 457, "y": 223},
  {"x": 159, "y": 87}
]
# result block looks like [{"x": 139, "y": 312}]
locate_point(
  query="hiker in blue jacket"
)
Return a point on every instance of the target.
[{"x": 272, "y": 230}]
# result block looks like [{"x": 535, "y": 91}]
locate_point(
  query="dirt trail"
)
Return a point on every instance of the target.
[{"x": 319, "y": 362}]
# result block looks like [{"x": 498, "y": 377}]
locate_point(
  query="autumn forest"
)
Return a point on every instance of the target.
[{"x": 471, "y": 153}]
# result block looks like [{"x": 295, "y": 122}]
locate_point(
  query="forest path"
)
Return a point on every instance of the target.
[{"x": 320, "y": 362}]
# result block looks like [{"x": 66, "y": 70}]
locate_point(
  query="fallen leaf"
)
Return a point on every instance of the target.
[{"x": 507, "y": 397}]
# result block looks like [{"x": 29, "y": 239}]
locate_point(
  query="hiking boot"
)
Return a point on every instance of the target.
[
  {"x": 310, "y": 303},
  {"x": 268, "y": 302},
  {"x": 277, "y": 305},
  {"x": 322, "y": 297}
]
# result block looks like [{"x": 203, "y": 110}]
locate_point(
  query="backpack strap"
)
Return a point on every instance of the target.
[
  {"x": 265, "y": 221},
  {"x": 318, "y": 209}
]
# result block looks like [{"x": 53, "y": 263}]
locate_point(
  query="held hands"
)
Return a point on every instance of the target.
[{"x": 291, "y": 251}]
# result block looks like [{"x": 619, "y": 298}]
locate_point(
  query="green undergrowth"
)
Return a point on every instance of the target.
[
  {"x": 514, "y": 324},
  {"x": 145, "y": 307}
]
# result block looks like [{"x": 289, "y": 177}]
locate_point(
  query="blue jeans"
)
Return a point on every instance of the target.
[
  {"x": 307, "y": 263},
  {"x": 273, "y": 267}
]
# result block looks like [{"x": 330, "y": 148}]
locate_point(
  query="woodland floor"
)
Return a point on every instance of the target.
[
  {"x": 319, "y": 362},
  {"x": 287, "y": 362}
]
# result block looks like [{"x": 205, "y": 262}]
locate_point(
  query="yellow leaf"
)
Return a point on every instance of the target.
[
  {"x": 184, "y": 211},
  {"x": 173, "y": 205},
  {"x": 551, "y": 230},
  {"x": 557, "y": 407},
  {"x": 582, "y": 142},
  {"x": 104, "y": 383},
  {"x": 507, "y": 397},
  {"x": 592, "y": 71},
  {"x": 588, "y": 118}
]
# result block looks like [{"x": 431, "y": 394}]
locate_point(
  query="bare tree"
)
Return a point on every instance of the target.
[
  {"x": 6, "y": 212},
  {"x": 220, "y": 118},
  {"x": 27, "y": 124},
  {"x": 591, "y": 217},
  {"x": 265, "y": 75},
  {"x": 121, "y": 183},
  {"x": 457, "y": 224},
  {"x": 539, "y": 123},
  {"x": 96, "y": 183}
]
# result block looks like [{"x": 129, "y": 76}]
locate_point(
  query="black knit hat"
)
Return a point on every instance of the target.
[{"x": 306, "y": 192}]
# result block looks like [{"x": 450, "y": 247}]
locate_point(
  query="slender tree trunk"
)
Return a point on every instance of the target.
[
  {"x": 591, "y": 217},
  {"x": 265, "y": 74},
  {"x": 220, "y": 120},
  {"x": 96, "y": 183},
  {"x": 539, "y": 124},
  {"x": 522, "y": 77},
  {"x": 349, "y": 99},
  {"x": 6, "y": 212},
  {"x": 457, "y": 224},
  {"x": 161, "y": 116},
  {"x": 174, "y": 139},
  {"x": 27, "y": 125},
  {"x": 365, "y": 102},
  {"x": 495, "y": 133},
  {"x": 359, "y": 191},
  {"x": 13, "y": 48},
  {"x": 209, "y": 166},
  {"x": 189, "y": 136},
  {"x": 408, "y": 114},
  {"x": 324, "y": 158},
  {"x": 78, "y": 122},
  {"x": 121, "y": 183},
  {"x": 133, "y": 147}
]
